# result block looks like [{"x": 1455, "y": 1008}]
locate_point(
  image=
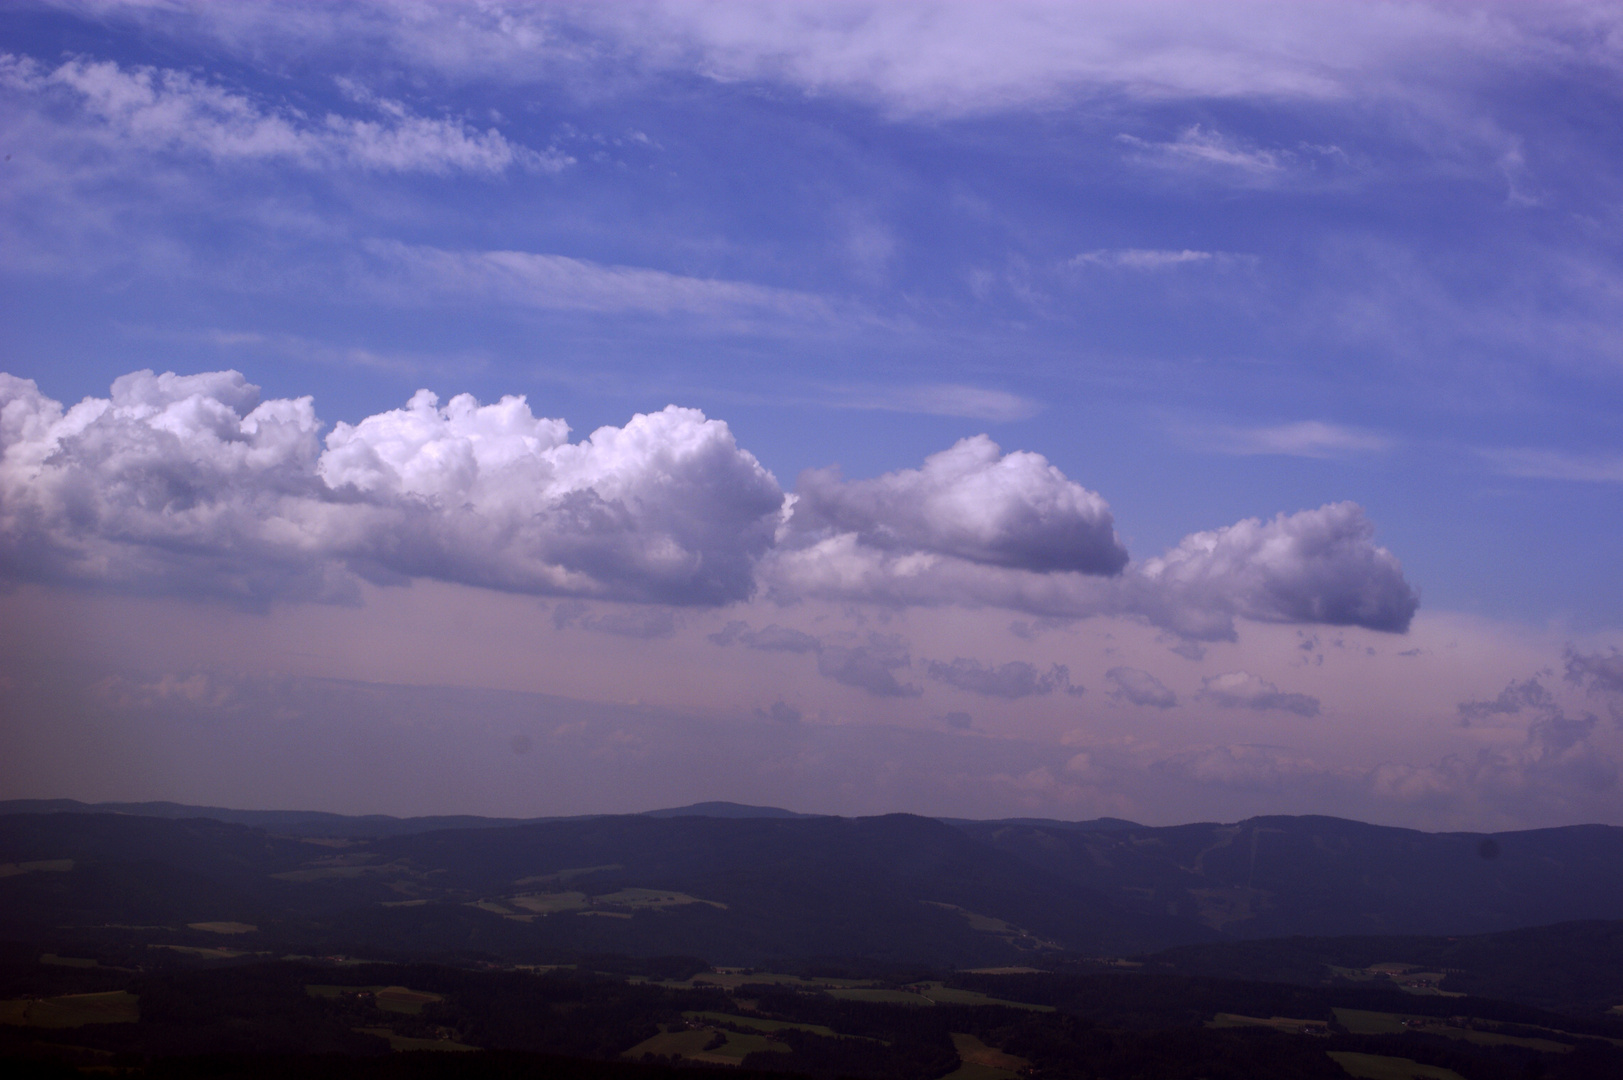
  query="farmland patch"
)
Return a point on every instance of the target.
[
  {"x": 1381, "y": 1067},
  {"x": 72, "y": 1010},
  {"x": 41, "y": 866},
  {"x": 981, "y": 1062}
]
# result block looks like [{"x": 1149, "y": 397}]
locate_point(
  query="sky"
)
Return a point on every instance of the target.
[{"x": 1165, "y": 411}]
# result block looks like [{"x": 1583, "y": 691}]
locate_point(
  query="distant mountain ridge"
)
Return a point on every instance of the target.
[
  {"x": 757, "y": 882},
  {"x": 732, "y": 890},
  {"x": 284, "y": 822},
  {"x": 313, "y": 823},
  {"x": 326, "y": 823},
  {"x": 1323, "y": 876},
  {"x": 727, "y": 810}
]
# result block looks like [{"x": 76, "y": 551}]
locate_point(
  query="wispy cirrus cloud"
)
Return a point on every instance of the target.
[
  {"x": 1303, "y": 438},
  {"x": 1542, "y": 464},
  {"x": 282, "y": 347},
  {"x": 1143, "y": 258},
  {"x": 1216, "y": 154},
  {"x": 937, "y": 58},
  {"x": 142, "y": 109},
  {"x": 949, "y": 59},
  {"x": 939, "y": 399},
  {"x": 559, "y": 282},
  {"x": 1199, "y": 145}
]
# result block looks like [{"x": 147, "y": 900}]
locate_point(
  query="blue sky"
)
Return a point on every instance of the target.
[{"x": 1210, "y": 262}]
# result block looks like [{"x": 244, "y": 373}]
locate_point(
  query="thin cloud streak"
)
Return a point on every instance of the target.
[
  {"x": 406, "y": 272},
  {"x": 146, "y": 109},
  {"x": 1142, "y": 258},
  {"x": 1536, "y": 464},
  {"x": 941, "y": 58},
  {"x": 939, "y": 399},
  {"x": 1304, "y": 438}
]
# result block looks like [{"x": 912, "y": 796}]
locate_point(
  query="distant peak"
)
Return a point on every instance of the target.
[{"x": 725, "y": 810}]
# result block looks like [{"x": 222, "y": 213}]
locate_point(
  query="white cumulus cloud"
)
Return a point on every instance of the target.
[
  {"x": 973, "y": 503},
  {"x": 1314, "y": 566},
  {"x": 977, "y": 527},
  {"x": 192, "y": 484}
]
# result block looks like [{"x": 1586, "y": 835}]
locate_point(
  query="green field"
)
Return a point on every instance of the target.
[
  {"x": 690, "y": 1044},
  {"x": 732, "y": 980},
  {"x": 402, "y": 1042},
  {"x": 880, "y": 995},
  {"x": 941, "y": 994},
  {"x": 1288, "y": 1024},
  {"x": 986, "y": 924},
  {"x": 1382, "y": 1023},
  {"x": 981, "y": 1062},
  {"x": 1494, "y": 1038},
  {"x": 548, "y": 903},
  {"x": 567, "y": 875},
  {"x": 203, "y": 952},
  {"x": 322, "y": 873},
  {"x": 639, "y": 899},
  {"x": 1360, "y": 1022},
  {"x": 760, "y": 1024},
  {"x": 619, "y": 903},
  {"x": 1406, "y": 977},
  {"x": 45, "y": 866},
  {"x": 929, "y": 993},
  {"x": 1354, "y": 974},
  {"x": 1380, "y": 1067},
  {"x": 400, "y": 999},
  {"x": 496, "y": 909},
  {"x": 71, "y": 1010},
  {"x": 395, "y": 999}
]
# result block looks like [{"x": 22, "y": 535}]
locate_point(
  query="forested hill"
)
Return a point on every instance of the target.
[
  {"x": 1276, "y": 876},
  {"x": 748, "y": 887}
]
